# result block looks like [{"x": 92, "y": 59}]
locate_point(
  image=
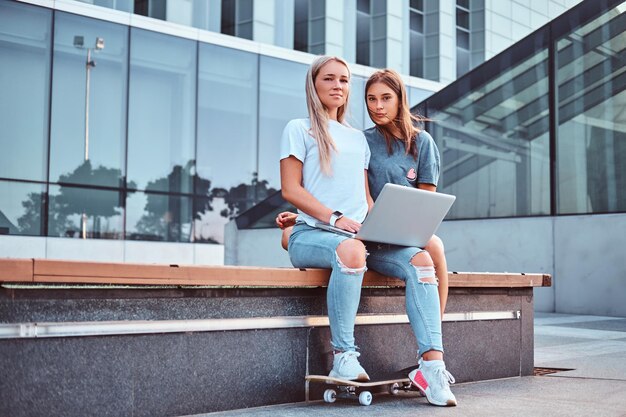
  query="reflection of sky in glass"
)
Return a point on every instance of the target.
[
  {"x": 591, "y": 140},
  {"x": 135, "y": 203},
  {"x": 107, "y": 113},
  {"x": 209, "y": 226},
  {"x": 162, "y": 102},
  {"x": 24, "y": 75},
  {"x": 227, "y": 116},
  {"x": 13, "y": 197},
  {"x": 488, "y": 157},
  {"x": 282, "y": 99}
]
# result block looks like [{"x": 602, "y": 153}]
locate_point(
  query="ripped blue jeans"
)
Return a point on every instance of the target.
[
  {"x": 422, "y": 295},
  {"x": 315, "y": 248}
]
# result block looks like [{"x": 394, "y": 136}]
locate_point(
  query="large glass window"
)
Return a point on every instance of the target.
[
  {"x": 85, "y": 213},
  {"x": 25, "y": 33},
  {"x": 462, "y": 37},
  {"x": 371, "y": 32},
  {"x": 227, "y": 135},
  {"x": 281, "y": 99},
  {"x": 363, "y": 31},
  {"x": 237, "y": 18},
  {"x": 317, "y": 27},
  {"x": 309, "y": 26},
  {"x": 151, "y": 8},
  {"x": 378, "y": 57},
  {"x": 88, "y": 139},
  {"x": 21, "y": 206},
  {"x": 494, "y": 142},
  {"x": 301, "y": 26},
  {"x": 416, "y": 44},
  {"x": 591, "y": 137},
  {"x": 162, "y": 217},
  {"x": 162, "y": 112}
]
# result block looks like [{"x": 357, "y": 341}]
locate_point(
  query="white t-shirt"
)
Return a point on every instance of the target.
[{"x": 344, "y": 190}]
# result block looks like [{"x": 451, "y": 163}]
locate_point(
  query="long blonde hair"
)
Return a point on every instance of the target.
[
  {"x": 405, "y": 122},
  {"x": 318, "y": 113}
]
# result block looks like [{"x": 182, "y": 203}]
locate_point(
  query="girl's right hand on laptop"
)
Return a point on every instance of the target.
[{"x": 346, "y": 223}]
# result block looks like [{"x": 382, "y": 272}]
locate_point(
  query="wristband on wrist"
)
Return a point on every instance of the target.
[{"x": 334, "y": 217}]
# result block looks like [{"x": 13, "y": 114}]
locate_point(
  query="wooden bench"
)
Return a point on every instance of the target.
[
  {"x": 179, "y": 340},
  {"x": 76, "y": 272}
]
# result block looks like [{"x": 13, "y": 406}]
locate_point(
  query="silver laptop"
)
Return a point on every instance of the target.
[{"x": 402, "y": 216}]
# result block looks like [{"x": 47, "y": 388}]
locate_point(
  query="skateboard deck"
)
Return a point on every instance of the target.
[{"x": 360, "y": 390}]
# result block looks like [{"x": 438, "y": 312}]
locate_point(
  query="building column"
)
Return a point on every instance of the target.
[
  {"x": 398, "y": 37},
  {"x": 272, "y": 22},
  {"x": 447, "y": 41}
]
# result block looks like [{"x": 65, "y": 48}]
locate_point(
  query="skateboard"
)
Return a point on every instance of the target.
[{"x": 360, "y": 391}]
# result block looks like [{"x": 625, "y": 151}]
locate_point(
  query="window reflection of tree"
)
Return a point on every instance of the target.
[
  {"x": 74, "y": 201},
  {"x": 230, "y": 203},
  {"x": 165, "y": 216}
]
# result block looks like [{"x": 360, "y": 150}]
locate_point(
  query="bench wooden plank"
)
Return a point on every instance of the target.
[
  {"x": 488, "y": 279},
  {"x": 120, "y": 273},
  {"x": 20, "y": 270},
  {"x": 59, "y": 271}
]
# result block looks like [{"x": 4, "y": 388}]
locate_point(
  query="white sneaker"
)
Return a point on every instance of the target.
[
  {"x": 433, "y": 380},
  {"x": 347, "y": 366}
]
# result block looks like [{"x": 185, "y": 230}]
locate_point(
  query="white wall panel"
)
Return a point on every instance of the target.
[
  {"x": 97, "y": 250},
  {"x": 22, "y": 247}
]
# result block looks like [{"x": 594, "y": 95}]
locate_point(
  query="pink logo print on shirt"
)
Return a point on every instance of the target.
[{"x": 411, "y": 175}]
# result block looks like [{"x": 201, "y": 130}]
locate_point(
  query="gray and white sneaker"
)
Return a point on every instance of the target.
[
  {"x": 347, "y": 366},
  {"x": 433, "y": 380}
]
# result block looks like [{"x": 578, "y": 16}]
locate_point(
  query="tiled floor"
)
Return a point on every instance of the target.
[{"x": 592, "y": 346}]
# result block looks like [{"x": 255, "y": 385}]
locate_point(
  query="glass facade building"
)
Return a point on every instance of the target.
[
  {"x": 180, "y": 134},
  {"x": 539, "y": 129},
  {"x": 154, "y": 137}
]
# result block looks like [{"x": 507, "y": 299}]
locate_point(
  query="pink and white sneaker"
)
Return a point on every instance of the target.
[{"x": 433, "y": 381}]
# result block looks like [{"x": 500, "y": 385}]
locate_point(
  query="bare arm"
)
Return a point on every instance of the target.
[
  {"x": 427, "y": 187},
  {"x": 296, "y": 194},
  {"x": 368, "y": 196}
]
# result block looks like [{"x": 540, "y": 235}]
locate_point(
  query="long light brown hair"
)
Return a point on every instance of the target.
[
  {"x": 405, "y": 122},
  {"x": 318, "y": 113}
]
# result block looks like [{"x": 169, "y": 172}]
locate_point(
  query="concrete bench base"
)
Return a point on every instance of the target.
[{"x": 174, "y": 350}]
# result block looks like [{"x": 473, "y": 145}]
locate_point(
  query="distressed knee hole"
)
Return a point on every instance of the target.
[
  {"x": 350, "y": 271},
  {"x": 426, "y": 275}
]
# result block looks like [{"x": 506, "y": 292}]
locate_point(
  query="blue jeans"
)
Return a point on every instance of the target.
[
  {"x": 422, "y": 298},
  {"x": 315, "y": 248}
]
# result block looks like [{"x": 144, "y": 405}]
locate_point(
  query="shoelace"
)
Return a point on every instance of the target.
[
  {"x": 346, "y": 356},
  {"x": 444, "y": 377}
]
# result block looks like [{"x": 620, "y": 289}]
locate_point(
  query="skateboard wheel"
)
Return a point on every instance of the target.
[
  {"x": 394, "y": 388},
  {"x": 365, "y": 398},
  {"x": 330, "y": 396}
]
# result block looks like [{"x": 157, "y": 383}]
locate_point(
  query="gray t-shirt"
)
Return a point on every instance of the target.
[
  {"x": 345, "y": 189},
  {"x": 400, "y": 168}
]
